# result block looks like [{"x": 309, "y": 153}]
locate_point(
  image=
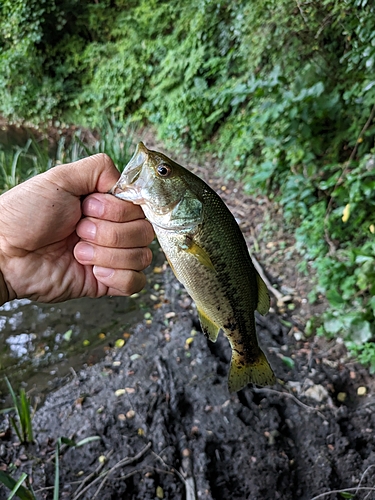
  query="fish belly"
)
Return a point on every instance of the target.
[{"x": 208, "y": 290}]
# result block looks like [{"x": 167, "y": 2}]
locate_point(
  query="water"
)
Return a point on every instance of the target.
[{"x": 40, "y": 343}]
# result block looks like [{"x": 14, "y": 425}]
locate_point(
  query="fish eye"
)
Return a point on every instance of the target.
[{"x": 163, "y": 170}]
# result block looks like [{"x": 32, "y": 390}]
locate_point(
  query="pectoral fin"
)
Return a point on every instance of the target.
[
  {"x": 191, "y": 247},
  {"x": 210, "y": 329},
  {"x": 263, "y": 297}
]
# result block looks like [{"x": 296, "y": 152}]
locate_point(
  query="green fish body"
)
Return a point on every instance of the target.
[{"x": 208, "y": 254}]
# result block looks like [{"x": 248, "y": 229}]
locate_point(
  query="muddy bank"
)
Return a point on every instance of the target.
[{"x": 169, "y": 428}]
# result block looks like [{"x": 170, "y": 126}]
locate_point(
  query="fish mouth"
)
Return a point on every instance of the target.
[{"x": 130, "y": 184}]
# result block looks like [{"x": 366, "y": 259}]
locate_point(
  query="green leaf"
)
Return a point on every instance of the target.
[
  {"x": 26, "y": 416},
  {"x": 361, "y": 331},
  {"x": 67, "y": 335},
  {"x": 333, "y": 325},
  {"x": 334, "y": 298},
  {"x": 89, "y": 439},
  {"x": 289, "y": 362},
  {"x": 17, "y": 486},
  {"x": 21, "y": 492}
]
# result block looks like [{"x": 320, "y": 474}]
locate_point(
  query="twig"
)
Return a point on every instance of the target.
[
  {"x": 93, "y": 474},
  {"x": 121, "y": 463},
  {"x": 124, "y": 461},
  {"x": 302, "y": 13},
  {"x": 334, "y": 492},
  {"x": 363, "y": 476},
  {"x": 170, "y": 467},
  {"x": 146, "y": 467},
  {"x": 258, "y": 267},
  {"x": 288, "y": 395},
  {"x": 190, "y": 489},
  {"x": 330, "y": 243},
  {"x": 323, "y": 25}
]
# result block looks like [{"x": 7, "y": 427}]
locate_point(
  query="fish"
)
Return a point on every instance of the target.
[{"x": 207, "y": 253}]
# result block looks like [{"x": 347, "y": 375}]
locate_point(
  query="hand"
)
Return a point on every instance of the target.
[{"x": 49, "y": 253}]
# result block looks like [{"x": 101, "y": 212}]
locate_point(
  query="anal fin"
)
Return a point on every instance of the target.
[{"x": 210, "y": 329}]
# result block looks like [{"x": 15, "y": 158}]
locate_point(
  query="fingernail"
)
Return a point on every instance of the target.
[
  {"x": 85, "y": 251},
  {"x": 103, "y": 272},
  {"x": 93, "y": 207},
  {"x": 89, "y": 229}
]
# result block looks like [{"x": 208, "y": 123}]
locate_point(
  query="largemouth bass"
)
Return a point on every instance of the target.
[{"x": 208, "y": 254}]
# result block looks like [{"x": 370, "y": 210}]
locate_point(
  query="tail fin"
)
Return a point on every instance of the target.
[{"x": 242, "y": 373}]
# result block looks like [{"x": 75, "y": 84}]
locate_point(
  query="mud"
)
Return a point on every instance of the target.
[{"x": 168, "y": 427}]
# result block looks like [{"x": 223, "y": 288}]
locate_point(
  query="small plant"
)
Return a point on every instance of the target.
[
  {"x": 11, "y": 166},
  {"x": 365, "y": 353},
  {"x": 22, "y": 425},
  {"x": 16, "y": 486},
  {"x": 28, "y": 494}
]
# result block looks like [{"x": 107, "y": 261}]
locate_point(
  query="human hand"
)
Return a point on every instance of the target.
[{"x": 49, "y": 253}]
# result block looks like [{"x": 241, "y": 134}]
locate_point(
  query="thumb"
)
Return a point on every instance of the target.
[{"x": 95, "y": 173}]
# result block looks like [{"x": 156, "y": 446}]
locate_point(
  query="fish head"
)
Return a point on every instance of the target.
[{"x": 160, "y": 186}]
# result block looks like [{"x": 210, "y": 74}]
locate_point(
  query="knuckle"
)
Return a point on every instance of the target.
[
  {"x": 146, "y": 257},
  {"x": 148, "y": 232},
  {"x": 114, "y": 236},
  {"x": 103, "y": 158},
  {"x": 134, "y": 282}
]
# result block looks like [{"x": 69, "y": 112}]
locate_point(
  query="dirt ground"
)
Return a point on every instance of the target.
[
  {"x": 169, "y": 429},
  {"x": 167, "y": 426}
]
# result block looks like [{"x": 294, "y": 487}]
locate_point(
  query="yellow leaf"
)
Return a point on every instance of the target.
[
  {"x": 159, "y": 492},
  {"x": 372, "y": 228},
  {"x": 120, "y": 392},
  {"x": 346, "y": 213}
]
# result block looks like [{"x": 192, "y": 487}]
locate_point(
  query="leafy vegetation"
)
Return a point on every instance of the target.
[{"x": 282, "y": 92}]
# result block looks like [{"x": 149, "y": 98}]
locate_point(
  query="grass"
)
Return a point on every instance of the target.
[
  {"x": 21, "y": 163},
  {"x": 23, "y": 428}
]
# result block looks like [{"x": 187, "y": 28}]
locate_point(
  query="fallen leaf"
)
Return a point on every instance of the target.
[{"x": 120, "y": 392}]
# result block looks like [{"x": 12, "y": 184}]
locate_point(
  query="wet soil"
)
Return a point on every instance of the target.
[{"x": 167, "y": 426}]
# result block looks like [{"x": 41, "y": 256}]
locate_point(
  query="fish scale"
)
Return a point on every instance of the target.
[{"x": 208, "y": 254}]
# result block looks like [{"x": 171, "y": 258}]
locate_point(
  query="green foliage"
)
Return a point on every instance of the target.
[
  {"x": 282, "y": 92},
  {"x": 365, "y": 353}
]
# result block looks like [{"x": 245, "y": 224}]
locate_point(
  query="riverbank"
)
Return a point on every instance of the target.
[{"x": 168, "y": 428}]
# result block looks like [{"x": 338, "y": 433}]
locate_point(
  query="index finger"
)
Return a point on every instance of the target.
[{"x": 108, "y": 207}]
